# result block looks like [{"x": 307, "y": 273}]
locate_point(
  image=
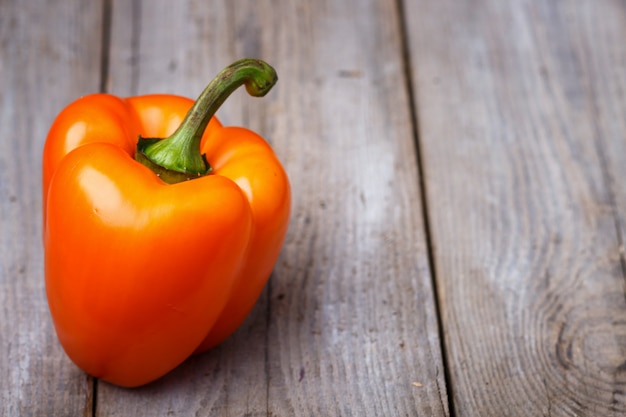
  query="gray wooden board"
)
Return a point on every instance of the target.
[
  {"x": 605, "y": 59},
  {"x": 521, "y": 113},
  {"x": 49, "y": 55},
  {"x": 347, "y": 325}
]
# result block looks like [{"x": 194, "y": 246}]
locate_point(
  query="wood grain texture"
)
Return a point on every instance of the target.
[
  {"x": 49, "y": 55},
  {"x": 602, "y": 56},
  {"x": 347, "y": 325},
  {"x": 521, "y": 125},
  {"x": 352, "y": 319}
]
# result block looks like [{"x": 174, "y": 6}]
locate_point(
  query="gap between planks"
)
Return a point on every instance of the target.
[{"x": 421, "y": 182}]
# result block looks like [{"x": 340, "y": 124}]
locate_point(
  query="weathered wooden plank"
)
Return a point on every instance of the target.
[
  {"x": 49, "y": 55},
  {"x": 599, "y": 34},
  {"x": 353, "y": 322},
  {"x": 515, "y": 104},
  {"x": 352, "y": 325}
]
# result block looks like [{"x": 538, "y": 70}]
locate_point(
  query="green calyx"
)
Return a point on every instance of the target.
[{"x": 178, "y": 158}]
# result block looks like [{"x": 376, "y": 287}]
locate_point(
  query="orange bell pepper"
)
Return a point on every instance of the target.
[{"x": 156, "y": 249}]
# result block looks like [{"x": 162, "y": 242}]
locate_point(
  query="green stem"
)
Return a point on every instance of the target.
[{"x": 177, "y": 158}]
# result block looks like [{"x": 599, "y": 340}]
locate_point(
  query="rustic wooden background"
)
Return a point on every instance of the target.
[{"x": 457, "y": 238}]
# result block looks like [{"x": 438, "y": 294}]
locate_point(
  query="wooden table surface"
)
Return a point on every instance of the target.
[{"x": 456, "y": 245}]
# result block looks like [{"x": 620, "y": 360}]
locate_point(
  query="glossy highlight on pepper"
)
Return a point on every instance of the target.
[{"x": 156, "y": 249}]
